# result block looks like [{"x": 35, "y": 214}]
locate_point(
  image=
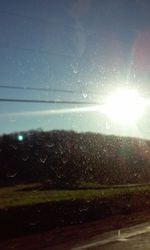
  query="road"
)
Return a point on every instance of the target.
[
  {"x": 86, "y": 237},
  {"x": 140, "y": 242},
  {"x": 136, "y": 237}
]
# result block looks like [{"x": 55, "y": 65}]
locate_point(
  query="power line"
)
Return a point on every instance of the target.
[
  {"x": 47, "y": 89},
  {"x": 37, "y": 19},
  {"x": 47, "y": 52},
  {"x": 48, "y": 102}
]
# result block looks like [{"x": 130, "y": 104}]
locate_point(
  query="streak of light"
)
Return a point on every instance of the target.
[{"x": 52, "y": 111}]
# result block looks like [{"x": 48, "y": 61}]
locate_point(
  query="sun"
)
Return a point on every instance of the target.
[{"x": 124, "y": 106}]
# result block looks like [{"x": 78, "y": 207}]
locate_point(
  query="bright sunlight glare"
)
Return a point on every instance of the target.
[{"x": 124, "y": 106}]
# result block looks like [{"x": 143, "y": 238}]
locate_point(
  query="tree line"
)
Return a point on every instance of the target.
[{"x": 66, "y": 158}]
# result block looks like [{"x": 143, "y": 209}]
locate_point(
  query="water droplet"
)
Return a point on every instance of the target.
[
  {"x": 14, "y": 146},
  {"x": 12, "y": 175},
  {"x": 34, "y": 223},
  {"x": 61, "y": 150},
  {"x": 108, "y": 126},
  {"x": 75, "y": 71},
  {"x": 43, "y": 158},
  {"x": 75, "y": 68},
  {"x": 64, "y": 160},
  {"x": 25, "y": 157},
  {"x": 59, "y": 176},
  {"x": 50, "y": 145},
  {"x": 83, "y": 209},
  {"x": 84, "y": 95}
]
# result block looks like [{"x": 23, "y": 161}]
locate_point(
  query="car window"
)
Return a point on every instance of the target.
[{"x": 74, "y": 121}]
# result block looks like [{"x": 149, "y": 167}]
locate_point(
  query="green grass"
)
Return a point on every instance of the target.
[{"x": 18, "y": 195}]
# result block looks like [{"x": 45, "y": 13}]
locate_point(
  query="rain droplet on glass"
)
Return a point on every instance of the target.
[
  {"x": 43, "y": 159},
  {"x": 84, "y": 95}
]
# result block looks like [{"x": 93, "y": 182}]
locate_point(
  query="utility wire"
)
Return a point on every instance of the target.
[
  {"x": 48, "y": 102},
  {"x": 42, "y": 20},
  {"x": 47, "y": 89},
  {"x": 40, "y": 51},
  {"x": 47, "y": 52},
  {"x": 38, "y": 19}
]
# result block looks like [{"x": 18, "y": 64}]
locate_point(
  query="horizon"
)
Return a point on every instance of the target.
[{"x": 39, "y": 130}]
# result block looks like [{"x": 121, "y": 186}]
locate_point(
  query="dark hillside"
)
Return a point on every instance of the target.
[{"x": 67, "y": 158}]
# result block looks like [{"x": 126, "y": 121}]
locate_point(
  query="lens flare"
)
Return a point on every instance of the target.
[{"x": 20, "y": 137}]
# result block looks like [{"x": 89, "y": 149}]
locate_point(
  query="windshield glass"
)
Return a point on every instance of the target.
[{"x": 74, "y": 119}]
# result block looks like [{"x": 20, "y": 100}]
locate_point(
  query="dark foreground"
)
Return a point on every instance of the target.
[
  {"x": 35, "y": 218},
  {"x": 140, "y": 242},
  {"x": 82, "y": 236}
]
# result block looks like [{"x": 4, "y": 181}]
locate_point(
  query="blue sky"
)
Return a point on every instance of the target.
[{"x": 79, "y": 45}]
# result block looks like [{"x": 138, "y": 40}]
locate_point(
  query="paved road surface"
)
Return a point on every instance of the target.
[
  {"x": 135, "y": 237},
  {"x": 140, "y": 242}
]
